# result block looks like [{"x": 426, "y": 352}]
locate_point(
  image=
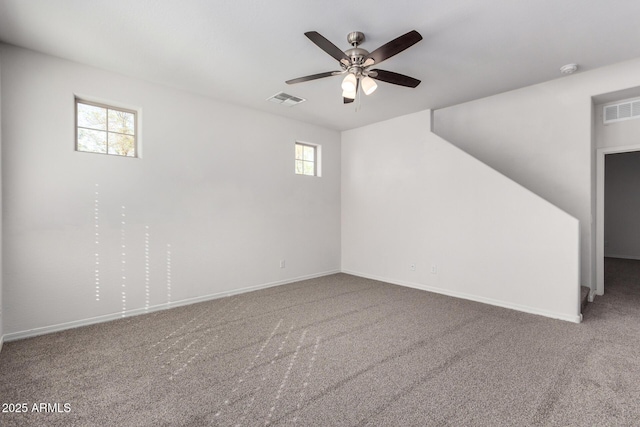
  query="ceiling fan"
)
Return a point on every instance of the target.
[{"x": 356, "y": 63}]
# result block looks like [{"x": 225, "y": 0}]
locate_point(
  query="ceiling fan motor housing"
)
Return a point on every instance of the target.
[{"x": 356, "y": 55}]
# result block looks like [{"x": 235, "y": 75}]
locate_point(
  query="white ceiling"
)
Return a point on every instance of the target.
[{"x": 242, "y": 51}]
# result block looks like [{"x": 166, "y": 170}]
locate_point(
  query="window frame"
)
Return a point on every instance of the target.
[
  {"x": 107, "y": 106},
  {"x": 317, "y": 150}
]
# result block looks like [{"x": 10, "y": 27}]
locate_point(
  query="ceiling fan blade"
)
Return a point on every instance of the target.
[
  {"x": 312, "y": 77},
  {"x": 394, "y": 78},
  {"x": 327, "y": 46},
  {"x": 394, "y": 47},
  {"x": 347, "y": 100}
]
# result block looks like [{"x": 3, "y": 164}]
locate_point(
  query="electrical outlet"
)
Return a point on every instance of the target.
[
  {"x": 282, "y": 263},
  {"x": 434, "y": 269},
  {"x": 412, "y": 267}
]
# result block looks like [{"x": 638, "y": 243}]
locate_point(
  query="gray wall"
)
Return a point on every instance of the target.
[
  {"x": 213, "y": 200},
  {"x": 622, "y": 205}
]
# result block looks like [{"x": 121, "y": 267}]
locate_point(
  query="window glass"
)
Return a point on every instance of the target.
[
  {"x": 92, "y": 117},
  {"x": 92, "y": 140},
  {"x": 306, "y": 159},
  {"x": 105, "y": 129}
]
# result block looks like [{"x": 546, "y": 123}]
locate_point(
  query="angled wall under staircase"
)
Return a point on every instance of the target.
[
  {"x": 418, "y": 211},
  {"x": 542, "y": 137}
]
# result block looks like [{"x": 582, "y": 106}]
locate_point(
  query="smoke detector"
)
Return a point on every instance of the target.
[{"x": 569, "y": 68}]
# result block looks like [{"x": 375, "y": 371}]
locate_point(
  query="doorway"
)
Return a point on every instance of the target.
[{"x": 620, "y": 249}]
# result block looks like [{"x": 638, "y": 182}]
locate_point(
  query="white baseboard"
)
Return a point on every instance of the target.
[
  {"x": 476, "y": 298},
  {"x": 137, "y": 311}
]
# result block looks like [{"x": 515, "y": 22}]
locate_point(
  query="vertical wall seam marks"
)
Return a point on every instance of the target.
[
  {"x": 124, "y": 261},
  {"x": 96, "y": 229},
  {"x": 168, "y": 274},
  {"x": 146, "y": 268}
]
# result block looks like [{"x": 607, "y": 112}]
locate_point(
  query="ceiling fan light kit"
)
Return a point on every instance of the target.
[
  {"x": 349, "y": 94},
  {"x": 349, "y": 83},
  {"x": 356, "y": 63},
  {"x": 368, "y": 85}
]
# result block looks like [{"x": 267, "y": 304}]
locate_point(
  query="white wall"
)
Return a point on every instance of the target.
[
  {"x": 410, "y": 197},
  {"x": 215, "y": 182},
  {"x": 622, "y": 205},
  {"x": 615, "y": 134},
  {"x": 1, "y": 226},
  {"x": 541, "y": 137}
]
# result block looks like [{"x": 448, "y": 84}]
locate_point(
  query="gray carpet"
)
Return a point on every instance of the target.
[{"x": 343, "y": 351}]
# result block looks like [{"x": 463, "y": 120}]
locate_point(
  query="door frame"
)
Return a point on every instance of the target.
[{"x": 600, "y": 162}]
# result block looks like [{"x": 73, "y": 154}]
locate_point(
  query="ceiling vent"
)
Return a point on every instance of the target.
[
  {"x": 622, "y": 111},
  {"x": 286, "y": 99}
]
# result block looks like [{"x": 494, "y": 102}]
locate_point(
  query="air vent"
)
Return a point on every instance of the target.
[
  {"x": 622, "y": 111},
  {"x": 285, "y": 99}
]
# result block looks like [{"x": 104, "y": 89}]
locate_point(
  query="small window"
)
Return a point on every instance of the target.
[
  {"x": 307, "y": 159},
  {"x": 105, "y": 129}
]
